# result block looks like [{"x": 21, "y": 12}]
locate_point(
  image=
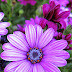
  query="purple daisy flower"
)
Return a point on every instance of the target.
[
  {"x": 25, "y": 2},
  {"x": 3, "y": 25},
  {"x": 55, "y": 19},
  {"x": 34, "y": 51}
]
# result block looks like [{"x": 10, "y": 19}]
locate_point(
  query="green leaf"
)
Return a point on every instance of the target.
[{"x": 67, "y": 30}]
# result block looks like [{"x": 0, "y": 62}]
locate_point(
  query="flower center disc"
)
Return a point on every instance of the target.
[{"x": 34, "y": 55}]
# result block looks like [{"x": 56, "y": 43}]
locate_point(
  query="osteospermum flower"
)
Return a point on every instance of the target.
[
  {"x": 34, "y": 51},
  {"x": 3, "y": 25},
  {"x": 55, "y": 19},
  {"x": 25, "y": 2}
]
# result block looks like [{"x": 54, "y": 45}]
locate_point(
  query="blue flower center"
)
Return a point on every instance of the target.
[{"x": 34, "y": 55}]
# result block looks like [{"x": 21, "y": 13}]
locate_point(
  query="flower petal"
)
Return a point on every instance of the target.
[
  {"x": 52, "y": 25},
  {"x": 46, "y": 38},
  {"x": 30, "y": 35},
  {"x": 4, "y": 24},
  {"x": 56, "y": 45},
  {"x": 39, "y": 32},
  {"x": 49, "y": 67},
  {"x": 12, "y": 66},
  {"x": 46, "y": 10},
  {"x": 1, "y": 15},
  {"x": 58, "y": 61},
  {"x": 24, "y": 67},
  {"x": 64, "y": 14},
  {"x": 57, "y": 53},
  {"x": 18, "y": 42},
  {"x": 8, "y": 46},
  {"x": 3, "y": 31},
  {"x": 12, "y": 55},
  {"x": 38, "y": 68}
]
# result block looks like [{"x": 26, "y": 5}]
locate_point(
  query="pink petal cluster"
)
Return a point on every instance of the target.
[
  {"x": 3, "y": 25},
  {"x": 55, "y": 19},
  {"x": 38, "y": 20},
  {"x": 61, "y": 2},
  {"x": 25, "y": 2},
  {"x": 34, "y": 51}
]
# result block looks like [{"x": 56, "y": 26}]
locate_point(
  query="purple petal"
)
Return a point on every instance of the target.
[
  {"x": 43, "y": 22},
  {"x": 1, "y": 15},
  {"x": 56, "y": 45},
  {"x": 39, "y": 32},
  {"x": 49, "y": 67},
  {"x": 8, "y": 46},
  {"x": 12, "y": 66},
  {"x": 58, "y": 61},
  {"x": 4, "y": 24},
  {"x": 3, "y": 31},
  {"x": 12, "y": 55},
  {"x": 46, "y": 38},
  {"x": 52, "y": 4},
  {"x": 38, "y": 68},
  {"x": 63, "y": 23},
  {"x": 68, "y": 37},
  {"x": 18, "y": 42},
  {"x": 37, "y": 20},
  {"x": 56, "y": 11},
  {"x": 57, "y": 53},
  {"x": 64, "y": 14},
  {"x": 52, "y": 25},
  {"x": 46, "y": 10},
  {"x": 24, "y": 67},
  {"x": 30, "y": 35},
  {"x": 20, "y": 34}
]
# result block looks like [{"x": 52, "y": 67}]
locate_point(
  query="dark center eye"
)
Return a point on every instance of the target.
[{"x": 35, "y": 54}]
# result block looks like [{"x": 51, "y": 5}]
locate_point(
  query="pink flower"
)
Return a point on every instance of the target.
[
  {"x": 3, "y": 25},
  {"x": 60, "y": 36},
  {"x": 4, "y": 0},
  {"x": 61, "y": 2},
  {"x": 39, "y": 21},
  {"x": 25, "y": 2},
  {"x": 34, "y": 51},
  {"x": 55, "y": 19},
  {"x": 70, "y": 20}
]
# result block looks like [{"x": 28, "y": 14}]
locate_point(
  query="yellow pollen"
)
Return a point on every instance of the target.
[{"x": 40, "y": 49}]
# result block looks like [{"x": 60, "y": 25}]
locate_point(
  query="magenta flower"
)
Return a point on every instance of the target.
[
  {"x": 34, "y": 51},
  {"x": 3, "y": 25},
  {"x": 55, "y": 19},
  {"x": 4, "y": 0},
  {"x": 39, "y": 21},
  {"x": 25, "y": 2},
  {"x": 60, "y": 36},
  {"x": 70, "y": 20},
  {"x": 61, "y": 2}
]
